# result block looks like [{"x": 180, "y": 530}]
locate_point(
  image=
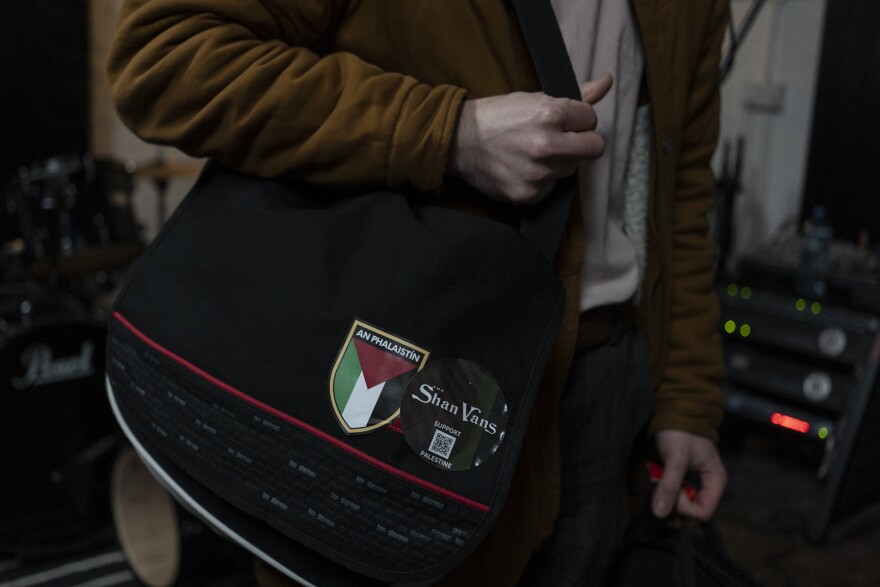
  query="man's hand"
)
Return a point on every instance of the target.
[
  {"x": 514, "y": 147},
  {"x": 681, "y": 452}
]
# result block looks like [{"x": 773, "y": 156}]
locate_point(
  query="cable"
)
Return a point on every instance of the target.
[{"x": 736, "y": 37}]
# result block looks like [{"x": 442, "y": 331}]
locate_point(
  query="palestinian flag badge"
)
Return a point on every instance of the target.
[{"x": 369, "y": 377}]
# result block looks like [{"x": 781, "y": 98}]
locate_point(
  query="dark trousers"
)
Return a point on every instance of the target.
[{"x": 605, "y": 407}]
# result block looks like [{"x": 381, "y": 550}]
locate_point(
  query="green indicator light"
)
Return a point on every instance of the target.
[
  {"x": 745, "y": 330},
  {"x": 730, "y": 326},
  {"x": 746, "y": 293},
  {"x": 801, "y": 304},
  {"x": 823, "y": 432},
  {"x": 732, "y": 289},
  {"x": 816, "y": 308}
]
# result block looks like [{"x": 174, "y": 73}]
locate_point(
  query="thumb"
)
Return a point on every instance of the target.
[{"x": 593, "y": 90}]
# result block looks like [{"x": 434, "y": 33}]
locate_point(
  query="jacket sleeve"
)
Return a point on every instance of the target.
[
  {"x": 242, "y": 81},
  {"x": 689, "y": 396}
]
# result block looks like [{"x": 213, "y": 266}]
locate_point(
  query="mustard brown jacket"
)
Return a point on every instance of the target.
[{"x": 363, "y": 94}]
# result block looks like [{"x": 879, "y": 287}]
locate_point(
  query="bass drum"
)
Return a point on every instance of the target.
[{"x": 58, "y": 436}]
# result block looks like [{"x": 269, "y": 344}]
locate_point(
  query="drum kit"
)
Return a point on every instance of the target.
[{"x": 68, "y": 234}]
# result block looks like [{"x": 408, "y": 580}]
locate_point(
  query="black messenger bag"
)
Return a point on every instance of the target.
[{"x": 340, "y": 384}]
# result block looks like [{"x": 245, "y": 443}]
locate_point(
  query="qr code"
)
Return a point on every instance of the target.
[{"x": 441, "y": 444}]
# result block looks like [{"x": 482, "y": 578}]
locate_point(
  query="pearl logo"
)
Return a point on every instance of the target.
[{"x": 42, "y": 367}]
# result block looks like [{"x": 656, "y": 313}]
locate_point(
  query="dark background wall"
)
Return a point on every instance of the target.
[
  {"x": 44, "y": 106},
  {"x": 843, "y": 172}
]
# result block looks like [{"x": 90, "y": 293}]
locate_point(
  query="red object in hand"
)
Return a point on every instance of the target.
[{"x": 655, "y": 471}]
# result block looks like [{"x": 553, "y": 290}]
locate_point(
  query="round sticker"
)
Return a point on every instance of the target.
[{"x": 453, "y": 414}]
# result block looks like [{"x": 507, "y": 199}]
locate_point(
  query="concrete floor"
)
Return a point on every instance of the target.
[{"x": 773, "y": 494}]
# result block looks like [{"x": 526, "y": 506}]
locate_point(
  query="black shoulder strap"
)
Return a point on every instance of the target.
[{"x": 544, "y": 224}]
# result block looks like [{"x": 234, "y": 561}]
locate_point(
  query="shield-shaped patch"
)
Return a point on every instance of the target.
[{"x": 369, "y": 377}]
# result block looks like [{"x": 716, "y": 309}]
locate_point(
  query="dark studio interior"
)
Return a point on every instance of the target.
[{"x": 798, "y": 279}]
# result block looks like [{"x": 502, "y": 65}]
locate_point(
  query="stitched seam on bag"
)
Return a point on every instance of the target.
[{"x": 408, "y": 477}]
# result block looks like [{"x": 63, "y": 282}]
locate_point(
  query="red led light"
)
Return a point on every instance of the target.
[{"x": 790, "y": 423}]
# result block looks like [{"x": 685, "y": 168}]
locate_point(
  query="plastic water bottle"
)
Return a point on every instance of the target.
[{"x": 812, "y": 272}]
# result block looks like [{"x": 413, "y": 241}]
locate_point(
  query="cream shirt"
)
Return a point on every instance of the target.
[{"x": 600, "y": 36}]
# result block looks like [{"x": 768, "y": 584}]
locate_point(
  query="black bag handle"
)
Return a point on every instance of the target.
[
  {"x": 544, "y": 223},
  {"x": 691, "y": 554}
]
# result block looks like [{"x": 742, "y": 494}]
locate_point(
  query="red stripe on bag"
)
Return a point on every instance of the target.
[{"x": 300, "y": 424}]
